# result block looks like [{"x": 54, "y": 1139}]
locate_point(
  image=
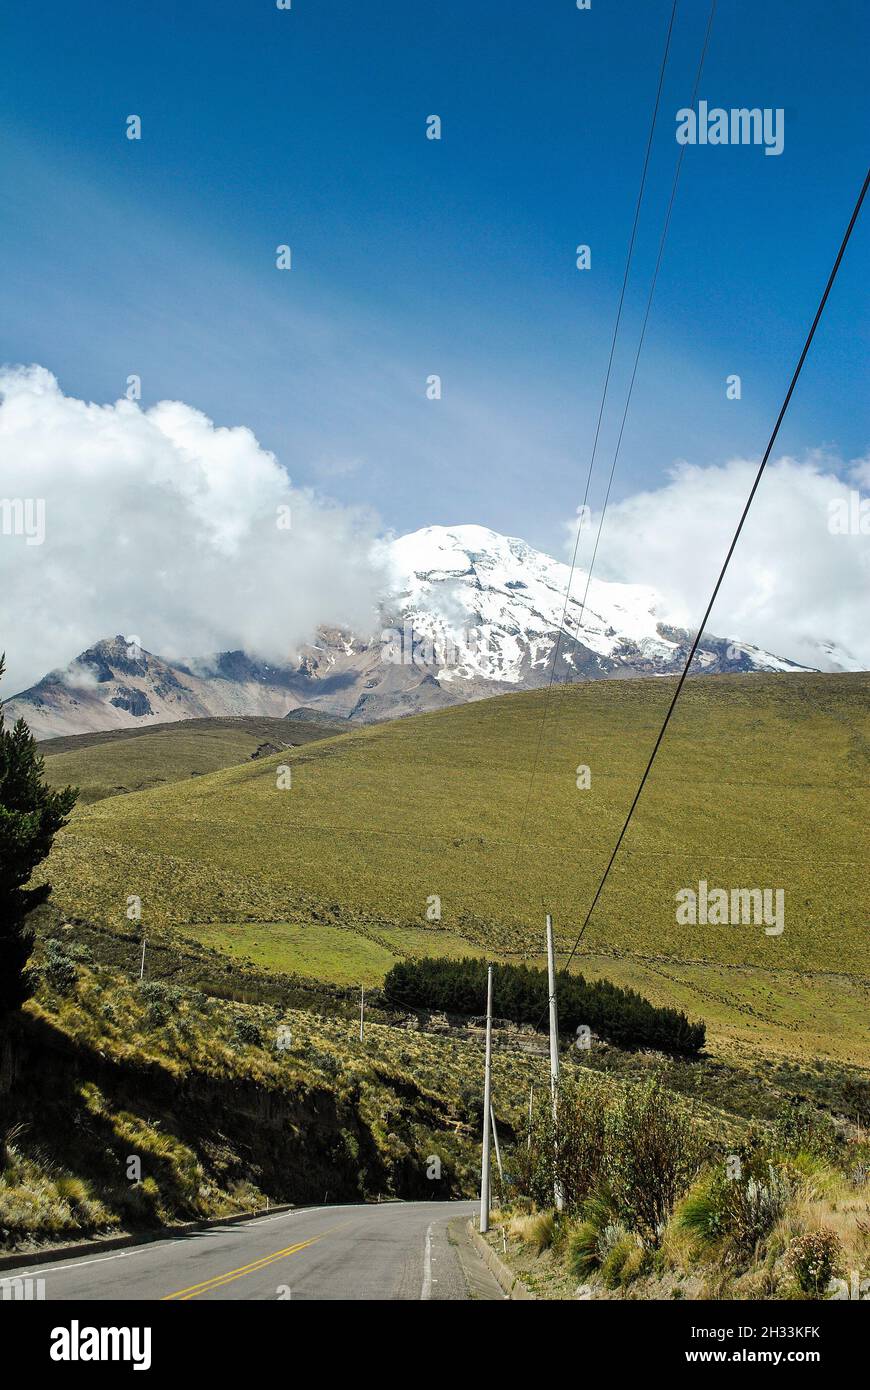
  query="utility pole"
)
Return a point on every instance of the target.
[
  {"x": 554, "y": 1044},
  {"x": 142, "y": 963},
  {"x": 531, "y": 1094},
  {"x": 495, "y": 1141},
  {"x": 362, "y": 1006},
  {"x": 487, "y": 1105}
]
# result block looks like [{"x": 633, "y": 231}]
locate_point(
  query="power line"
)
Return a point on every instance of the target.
[
  {"x": 654, "y": 281},
  {"x": 652, "y": 290},
  {"x": 630, "y": 253},
  {"x": 698, "y": 635}
]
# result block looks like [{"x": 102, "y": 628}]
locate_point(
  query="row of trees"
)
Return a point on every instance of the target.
[{"x": 620, "y": 1016}]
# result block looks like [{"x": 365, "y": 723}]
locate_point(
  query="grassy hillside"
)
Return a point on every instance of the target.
[
  {"x": 760, "y": 784},
  {"x": 125, "y": 760}
]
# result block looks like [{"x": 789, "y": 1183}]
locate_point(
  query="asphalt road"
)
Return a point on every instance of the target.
[{"x": 391, "y": 1251}]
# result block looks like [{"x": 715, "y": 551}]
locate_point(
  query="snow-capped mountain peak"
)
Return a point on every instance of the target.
[{"x": 493, "y": 607}]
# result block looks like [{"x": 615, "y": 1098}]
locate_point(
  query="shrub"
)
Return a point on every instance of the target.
[
  {"x": 155, "y": 992},
  {"x": 77, "y": 950},
  {"x": 742, "y": 1210},
  {"x": 59, "y": 970},
  {"x": 580, "y": 1143},
  {"x": 800, "y": 1128},
  {"x": 859, "y": 1175},
  {"x": 753, "y": 1207},
  {"x": 626, "y": 1155},
  {"x": 161, "y": 1001},
  {"x": 471, "y": 1106},
  {"x": 323, "y": 1062},
  {"x": 247, "y": 1033},
  {"x": 813, "y": 1259},
  {"x": 652, "y": 1152},
  {"x": 571, "y": 1154}
]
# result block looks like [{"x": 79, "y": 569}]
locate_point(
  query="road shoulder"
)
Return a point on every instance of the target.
[{"x": 479, "y": 1279}]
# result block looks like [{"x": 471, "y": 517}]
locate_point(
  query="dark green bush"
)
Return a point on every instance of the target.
[
  {"x": 30, "y": 816},
  {"x": 247, "y": 1033},
  {"x": 59, "y": 970},
  {"x": 161, "y": 1001},
  {"x": 620, "y": 1016}
]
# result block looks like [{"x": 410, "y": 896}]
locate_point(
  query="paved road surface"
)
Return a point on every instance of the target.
[{"x": 401, "y": 1250}]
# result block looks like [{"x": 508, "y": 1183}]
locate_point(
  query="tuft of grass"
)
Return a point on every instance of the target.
[
  {"x": 535, "y": 1229},
  {"x": 621, "y": 1249}
]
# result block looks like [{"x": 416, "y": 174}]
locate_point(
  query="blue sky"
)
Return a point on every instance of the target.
[{"x": 413, "y": 257}]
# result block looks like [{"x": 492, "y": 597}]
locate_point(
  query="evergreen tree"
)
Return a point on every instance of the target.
[
  {"x": 30, "y": 816},
  {"x": 520, "y": 992}
]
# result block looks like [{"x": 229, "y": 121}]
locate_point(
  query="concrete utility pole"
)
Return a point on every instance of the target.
[
  {"x": 554, "y": 1041},
  {"x": 531, "y": 1094},
  {"x": 362, "y": 1006},
  {"x": 487, "y": 1106},
  {"x": 495, "y": 1141},
  {"x": 142, "y": 963}
]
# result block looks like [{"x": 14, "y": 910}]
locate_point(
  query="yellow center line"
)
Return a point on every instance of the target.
[{"x": 218, "y": 1280}]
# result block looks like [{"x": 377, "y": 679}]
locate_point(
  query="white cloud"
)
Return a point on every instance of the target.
[
  {"x": 791, "y": 584},
  {"x": 159, "y": 523}
]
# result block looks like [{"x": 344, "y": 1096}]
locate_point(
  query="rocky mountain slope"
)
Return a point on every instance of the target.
[{"x": 468, "y": 613}]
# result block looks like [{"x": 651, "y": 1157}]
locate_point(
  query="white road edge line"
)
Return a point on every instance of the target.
[
  {"x": 22, "y": 1271},
  {"x": 248, "y": 1225},
  {"x": 426, "y": 1291}
]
